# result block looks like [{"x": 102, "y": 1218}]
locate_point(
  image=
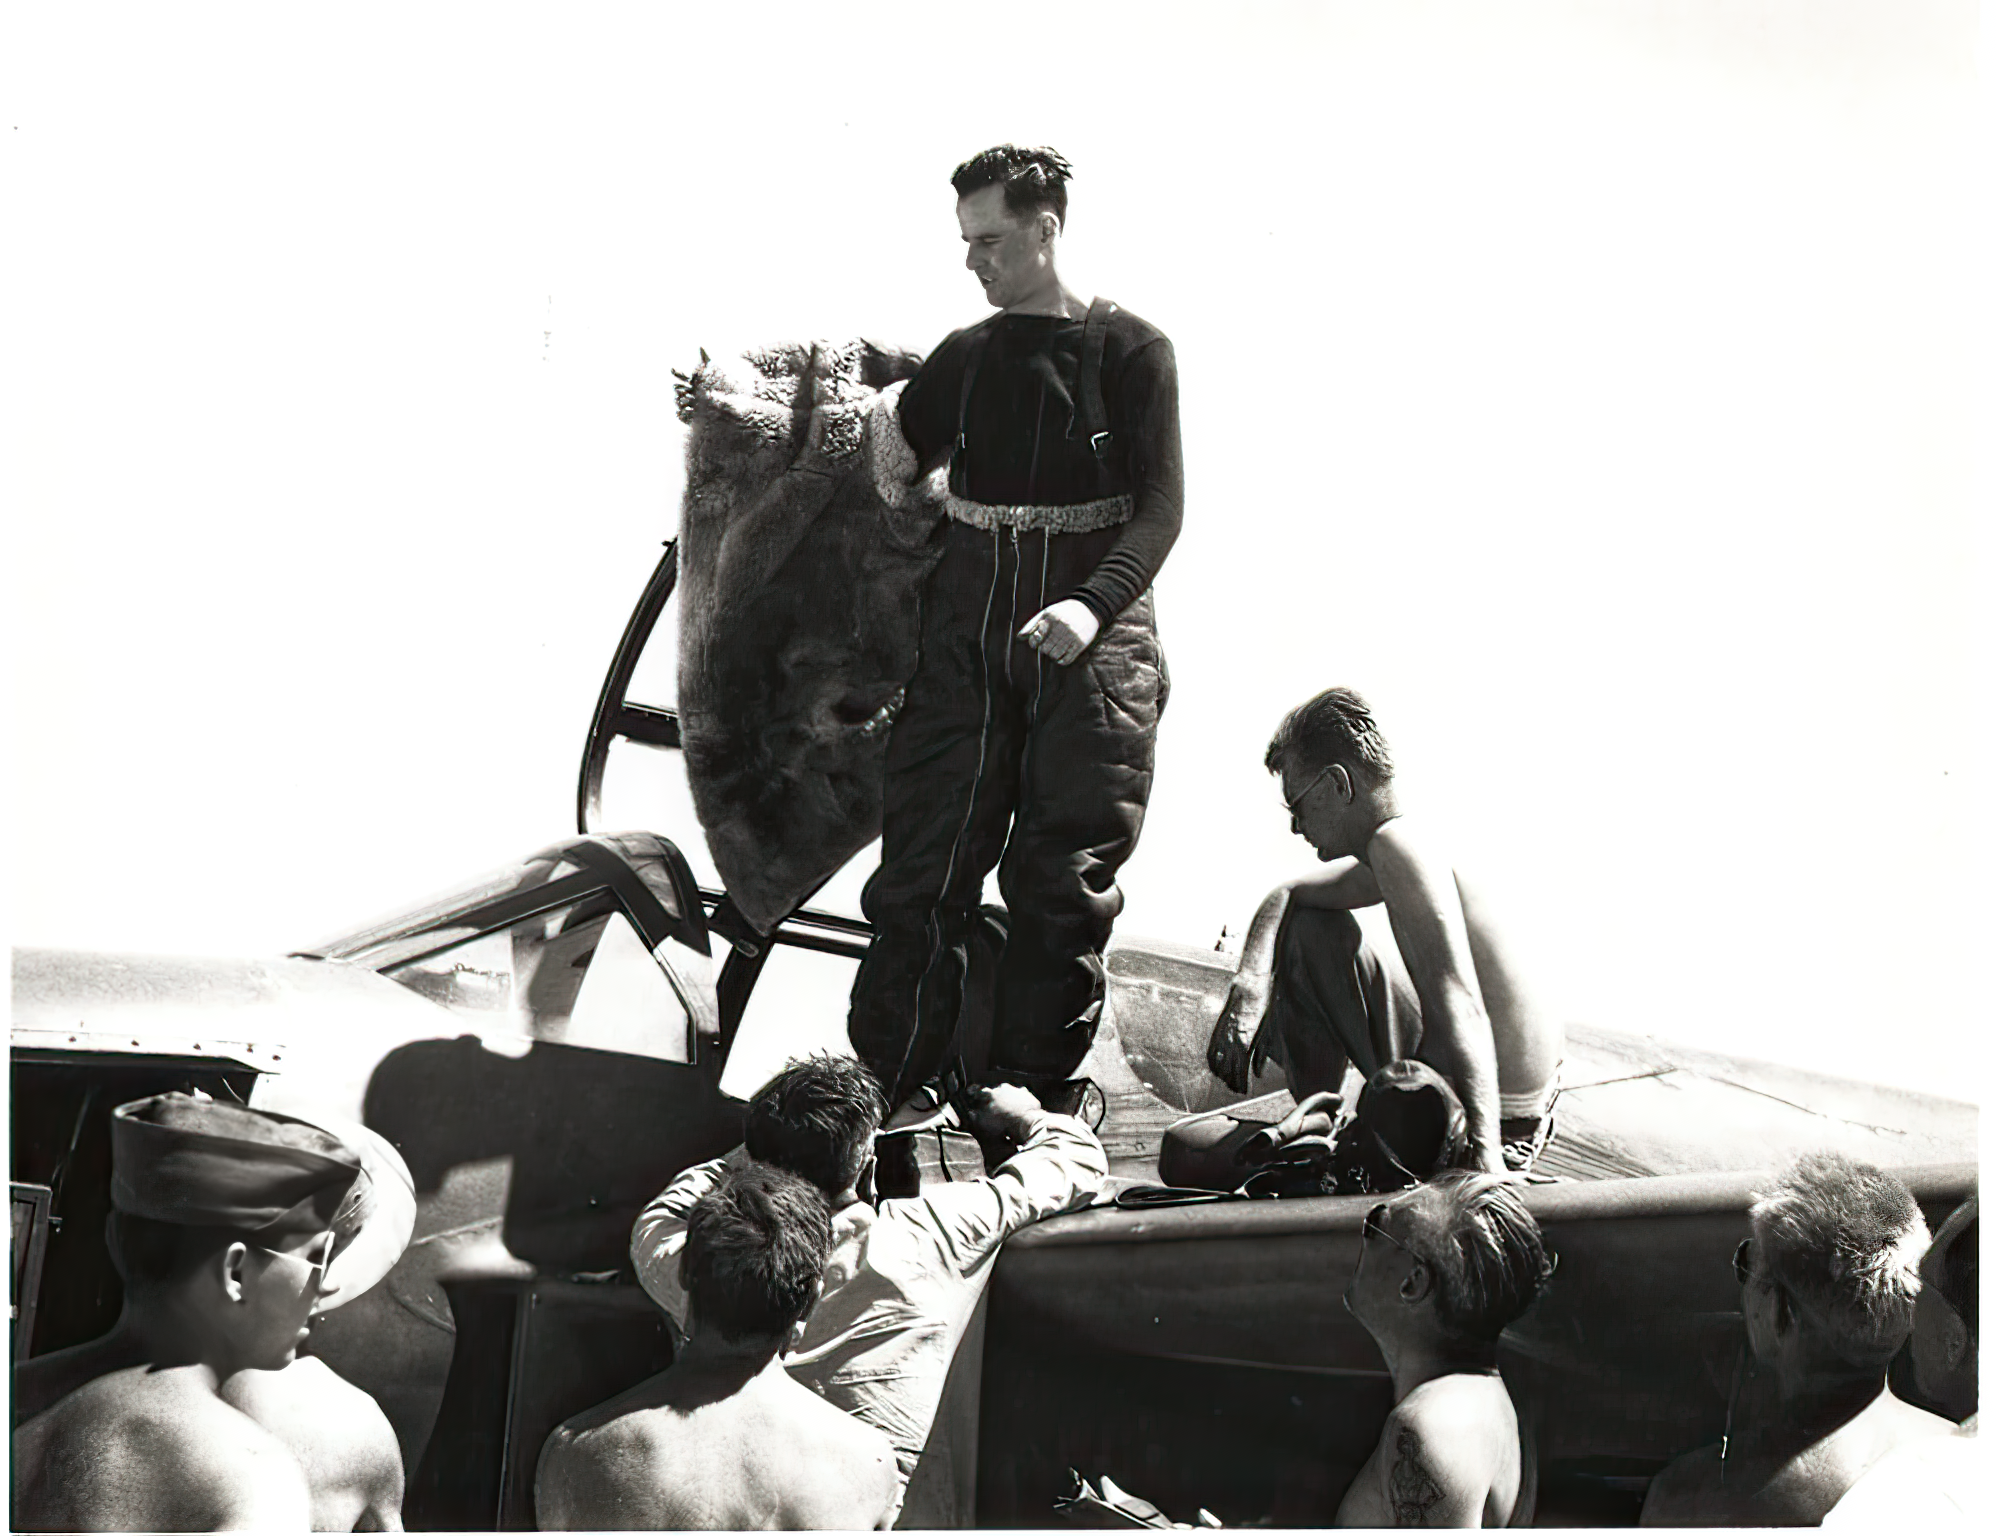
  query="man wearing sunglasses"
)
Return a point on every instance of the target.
[
  {"x": 1442, "y": 1271},
  {"x": 1828, "y": 1283},
  {"x": 221, "y": 1229},
  {"x": 1313, "y": 994}
]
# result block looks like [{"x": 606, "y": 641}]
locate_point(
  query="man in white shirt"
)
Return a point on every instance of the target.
[
  {"x": 724, "y": 1439},
  {"x": 904, "y": 1278}
]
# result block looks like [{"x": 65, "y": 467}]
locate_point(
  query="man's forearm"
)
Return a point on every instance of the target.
[
  {"x": 1258, "y": 948},
  {"x": 660, "y": 1232},
  {"x": 1460, "y": 1033},
  {"x": 1060, "y": 1165}
]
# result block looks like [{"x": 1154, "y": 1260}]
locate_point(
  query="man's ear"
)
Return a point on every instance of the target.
[
  {"x": 797, "y": 1330},
  {"x": 235, "y": 1266},
  {"x": 1341, "y": 778},
  {"x": 1418, "y": 1285}
]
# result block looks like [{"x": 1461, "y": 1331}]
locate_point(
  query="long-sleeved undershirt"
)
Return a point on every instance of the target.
[{"x": 1024, "y": 444}]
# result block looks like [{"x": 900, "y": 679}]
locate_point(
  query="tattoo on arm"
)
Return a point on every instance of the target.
[{"x": 1411, "y": 1486}]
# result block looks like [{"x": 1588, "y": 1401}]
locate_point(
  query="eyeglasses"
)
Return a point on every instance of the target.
[
  {"x": 1375, "y": 1226},
  {"x": 1290, "y": 805},
  {"x": 317, "y": 1265},
  {"x": 1743, "y": 1266}
]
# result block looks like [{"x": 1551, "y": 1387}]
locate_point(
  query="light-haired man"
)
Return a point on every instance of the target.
[
  {"x": 1442, "y": 1270},
  {"x": 904, "y": 1278},
  {"x": 1025, "y": 739},
  {"x": 1828, "y": 1282},
  {"x": 723, "y": 1439},
  {"x": 222, "y": 1227},
  {"x": 1312, "y": 993},
  {"x": 1936, "y": 1481}
]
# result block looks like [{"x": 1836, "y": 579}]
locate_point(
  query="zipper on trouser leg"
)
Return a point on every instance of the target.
[
  {"x": 1029, "y": 749},
  {"x": 969, "y": 808},
  {"x": 1010, "y": 638}
]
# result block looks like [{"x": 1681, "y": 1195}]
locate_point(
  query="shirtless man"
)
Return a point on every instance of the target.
[
  {"x": 905, "y": 1276},
  {"x": 1312, "y": 994},
  {"x": 1442, "y": 1270},
  {"x": 337, "y": 1433},
  {"x": 723, "y": 1439},
  {"x": 1828, "y": 1283},
  {"x": 222, "y": 1229}
]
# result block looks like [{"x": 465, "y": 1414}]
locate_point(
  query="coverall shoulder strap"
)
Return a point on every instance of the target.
[
  {"x": 1093, "y": 417},
  {"x": 973, "y": 355}
]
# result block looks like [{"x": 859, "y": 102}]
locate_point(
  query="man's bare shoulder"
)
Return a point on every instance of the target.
[
  {"x": 787, "y": 1459},
  {"x": 337, "y": 1432},
  {"x": 595, "y": 1477},
  {"x": 1414, "y": 846},
  {"x": 1901, "y": 1422},
  {"x": 1464, "y": 1428},
  {"x": 145, "y": 1449},
  {"x": 40, "y": 1383},
  {"x": 312, "y": 1392},
  {"x": 1457, "y": 1402}
]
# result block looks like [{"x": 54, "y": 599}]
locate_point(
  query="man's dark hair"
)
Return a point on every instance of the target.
[
  {"x": 1954, "y": 1263},
  {"x": 1334, "y": 727},
  {"x": 755, "y": 1250},
  {"x": 1845, "y": 1240},
  {"x": 816, "y": 1119},
  {"x": 152, "y": 1256},
  {"x": 1033, "y": 179},
  {"x": 1490, "y": 1261}
]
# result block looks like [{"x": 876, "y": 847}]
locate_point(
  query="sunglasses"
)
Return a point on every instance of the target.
[
  {"x": 1290, "y": 805},
  {"x": 316, "y": 1258},
  {"x": 1743, "y": 1266},
  {"x": 1375, "y": 1226}
]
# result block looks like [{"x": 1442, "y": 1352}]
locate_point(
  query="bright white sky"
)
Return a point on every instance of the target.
[{"x": 1592, "y": 385}]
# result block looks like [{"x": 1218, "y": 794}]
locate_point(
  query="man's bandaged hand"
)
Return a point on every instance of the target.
[{"x": 1062, "y": 631}]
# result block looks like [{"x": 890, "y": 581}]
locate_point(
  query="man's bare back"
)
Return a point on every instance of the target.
[
  {"x": 338, "y": 1434},
  {"x": 1411, "y": 868},
  {"x": 44, "y": 1381},
  {"x": 684, "y": 1452},
  {"x": 1448, "y": 1456},
  {"x": 153, "y": 1450},
  {"x": 1782, "y": 1485}
]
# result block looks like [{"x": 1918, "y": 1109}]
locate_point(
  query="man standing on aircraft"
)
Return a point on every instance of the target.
[
  {"x": 1312, "y": 993},
  {"x": 222, "y": 1229},
  {"x": 1025, "y": 740}
]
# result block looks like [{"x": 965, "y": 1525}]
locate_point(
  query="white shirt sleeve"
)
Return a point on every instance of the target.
[
  {"x": 659, "y": 1234},
  {"x": 1060, "y": 1168}
]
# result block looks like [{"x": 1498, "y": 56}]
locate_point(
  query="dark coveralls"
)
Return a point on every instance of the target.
[{"x": 999, "y": 756}]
